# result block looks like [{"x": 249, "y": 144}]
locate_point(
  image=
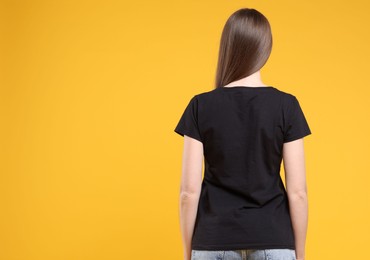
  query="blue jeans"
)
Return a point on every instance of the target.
[{"x": 246, "y": 254}]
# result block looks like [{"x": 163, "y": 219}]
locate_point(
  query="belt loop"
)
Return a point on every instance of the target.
[{"x": 244, "y": 254}]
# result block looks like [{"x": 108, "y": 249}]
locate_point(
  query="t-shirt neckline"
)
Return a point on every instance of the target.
[{"x": 247, "y": 87}]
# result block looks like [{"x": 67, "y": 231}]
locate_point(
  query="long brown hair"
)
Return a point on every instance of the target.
[{"x": 245, "y": 46}]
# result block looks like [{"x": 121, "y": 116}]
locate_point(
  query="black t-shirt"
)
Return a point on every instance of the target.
[{"x": 243, "y": 202}]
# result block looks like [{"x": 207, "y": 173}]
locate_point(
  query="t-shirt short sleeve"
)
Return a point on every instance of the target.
[
  {"x": 188, "y": 123},
  {"x": 296, "y": 125}
]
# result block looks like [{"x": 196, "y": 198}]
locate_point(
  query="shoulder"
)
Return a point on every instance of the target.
[
  {"x": 287, "y": 99},
  {"x": 206, "y": 94},
  {"x": 284, "y": 94}
]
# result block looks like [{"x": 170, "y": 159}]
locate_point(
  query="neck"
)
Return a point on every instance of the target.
[{"x": 253, "y": 80}]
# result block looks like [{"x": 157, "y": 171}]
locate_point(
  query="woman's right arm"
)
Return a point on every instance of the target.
[{"x": 295, "y": 180}]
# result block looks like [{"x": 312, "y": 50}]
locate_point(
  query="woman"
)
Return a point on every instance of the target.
[{"x": 244, "y": 129}]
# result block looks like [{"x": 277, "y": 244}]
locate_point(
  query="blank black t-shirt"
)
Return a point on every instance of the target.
[{"x": 243, "y": 202}]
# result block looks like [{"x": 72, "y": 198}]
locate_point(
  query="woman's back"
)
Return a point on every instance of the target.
[{"x": 243, "y": 202}]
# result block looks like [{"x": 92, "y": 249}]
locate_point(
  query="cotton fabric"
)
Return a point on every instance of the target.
[
  {"x": 246, "y": 254},
  {"x": 243, "y": 202}
]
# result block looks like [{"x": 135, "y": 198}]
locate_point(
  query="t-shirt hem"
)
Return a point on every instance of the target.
[
  {"x": 298, "y": 136},
  {"x": 182, "y": 133},
  {"x": 242, "y": 246}
]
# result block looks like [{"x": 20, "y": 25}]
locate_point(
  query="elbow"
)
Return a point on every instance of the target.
[
  {"x": 189, "y": 189},
  {"x": 297, "y": 195},
  {"x": 188, "y": 195}
]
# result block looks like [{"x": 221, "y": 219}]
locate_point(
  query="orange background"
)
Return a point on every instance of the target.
[{"x": 91, "y": 91}]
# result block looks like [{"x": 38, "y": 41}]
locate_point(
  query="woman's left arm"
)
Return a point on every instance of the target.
[{"x": 190, "y": 188}]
